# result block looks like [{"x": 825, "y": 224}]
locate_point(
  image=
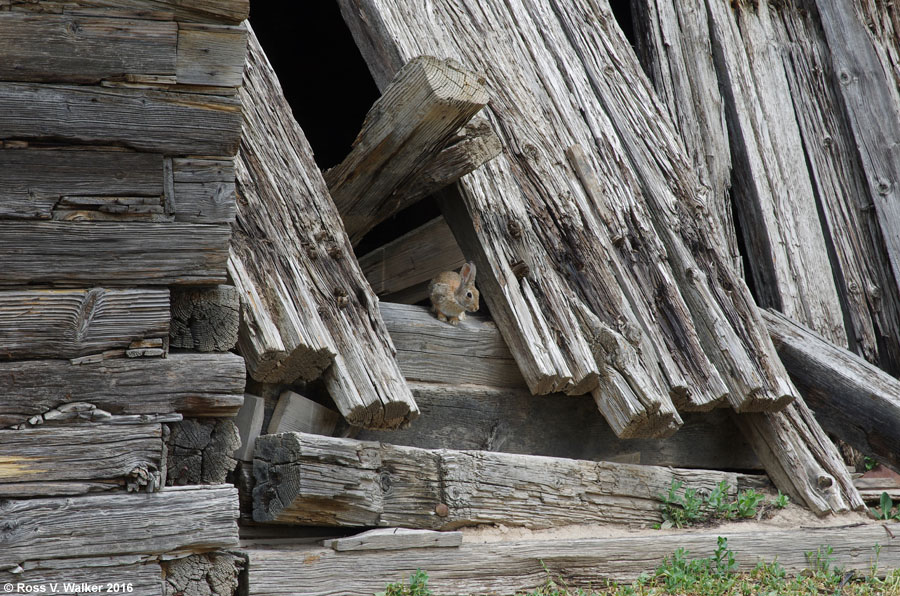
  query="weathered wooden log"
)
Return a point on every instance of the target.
[
  {"x": 205, "y": 319},
  {"x": 114, "y": 186},
  {"x": 518, "y": 567},
  {"x": 210, "y": 55},
  {"x": 112, "y": 254},
  {"x": 432, "y": 351},
  {"x": 249, "y": 422},
  {"x": 300, "y": 284},
  {"x": 296, "y": 413},
  {"x": 72, "y": 323},
  {"x": 176, "y": 519},
  {"x": 411, "y": 261},
  {"x": 314, "y": 480},
  {"x": 395, "y": 539},
  {"x": 214, "y": 573},
  {"x": 145, "y": 120},
  {"x": 130, "y": 573},
  {"x": 854, "y": 400},
  {"x": 230, "y": 12},
  {"x": 80, "y": 454},
  {"x": 464, "y": 416},
  {"x": 415, "y": 118},
  {"x": 201, "y": 451},
  {"x": 193, "y": 384}
]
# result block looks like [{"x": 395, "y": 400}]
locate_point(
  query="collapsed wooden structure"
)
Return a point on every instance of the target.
[{"x": 607, "y": 211}]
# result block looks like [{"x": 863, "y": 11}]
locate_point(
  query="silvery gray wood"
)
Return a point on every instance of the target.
[
  {"x": 314, "y": 480},
  {"x": 296, "y": 413},
  {"x": 145, "y": 578},
  {"x": 395, "y": 539},
  {"x": 210, "y": 55},
  {"x": 201, "y": 451},
  {"x": 305, "y": 302},
  {"x": 205, "y": 319},
  {"x": 200, "y": 11},
  {"x": 249, "y": 421},
  {"x": 517, "y": 567},
  {"x": 193, "y": 384}
]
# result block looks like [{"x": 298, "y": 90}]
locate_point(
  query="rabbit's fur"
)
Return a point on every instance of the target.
[{"x": 453, "y": 294}]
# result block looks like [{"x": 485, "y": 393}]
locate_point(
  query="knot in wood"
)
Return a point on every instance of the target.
[
  {"x": 334, "y": 251},
  {"x": 520, "y": 269},
  {"x": 514, "y": 228},
  {"x": 341, "y": 299},
  {"x": 384, "y": 480},
  {"x": 883, "y": 186},
  {"x": 442, "y": 510},
  {"x": 824, "y": 481}
]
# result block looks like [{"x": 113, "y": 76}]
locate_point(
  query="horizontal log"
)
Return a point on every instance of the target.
[
  {"x": 852, "y": 399},
  {"x": 73, "y": 323},
  {"x": 203, "y": 190},
  {"x": 201, "y": 11},
  {"x": 432, "y": 351},
  {"x": 395, "y": 539},
  {"x": 193, "y": 384},
  {"x": 514, "y": 421},
  {"x": 145, "y": 120},
  {"x": 80, "y": 453},
  {"x": 82, "y": 49},
  {"x": 211, "y": 55},
  {"x": 314, "y": 480},
  {"x": 412, "y": 259},
  {"x": 516, "y": 567},
  {"x": 175, "y": 519},
  {"x": 416, "y": 117},
  {"x": 112, "y": 254},
  {"x": 143, "y": 578}
]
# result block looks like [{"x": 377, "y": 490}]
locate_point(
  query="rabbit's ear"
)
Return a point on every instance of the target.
[{"x": 467, "y": 273}]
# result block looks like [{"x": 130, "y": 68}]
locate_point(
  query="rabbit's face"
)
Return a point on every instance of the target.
[{"x": 470, "y": 298}]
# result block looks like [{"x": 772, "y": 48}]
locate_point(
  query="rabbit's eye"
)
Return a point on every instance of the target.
[{"x": 468, "y": 294}]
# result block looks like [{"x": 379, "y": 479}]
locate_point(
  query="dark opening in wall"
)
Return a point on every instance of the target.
[
  {"x": 625, "y": 18},
  {"x": 323, "y": 75}
]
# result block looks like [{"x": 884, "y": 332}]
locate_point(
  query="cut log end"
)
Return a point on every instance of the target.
[
  {"x": 760, "y": 400},
  {"x": 303, "y": 364},
  {"x": 387, "y": 416}
]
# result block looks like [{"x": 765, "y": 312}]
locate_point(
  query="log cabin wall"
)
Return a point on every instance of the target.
[{"x": 119, "y": 123}]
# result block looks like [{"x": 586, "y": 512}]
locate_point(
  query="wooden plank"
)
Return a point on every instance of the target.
[
  {"x": 230, "y": 12},
  {"x": 137, "y": 577},
  {"x": 854, "y": 400},
  {"x": 211, "y": 55},
  {"x": 417, "y": 116},
  {"x": 414, "y": 258},
  {"x": 175, "y": 519},
  {"x": 72, "y": 323},
  {"x": 514, "y": 421},
  {"x": 35, "y": 180},
  {"x": 295, "y": 413},
  {"x": 205, "y": 319},
  {"x": 870, "y": 102},
  {"x": 429, "y": 350},
  {"x": 51, "y": 48},
  {"x": 79, "y": 453},
  {"x": 395, "y": 539},
  {"x": 112, "y": 254},
  {"x": 145, "y": 120},
  {"x": 193, "y": 384},
  {"x": 203, "y": 190},
  {"x": 314, "y": 480},
  {"x": 249, "y": 421},
  {"x": 519, "y": 567},
  {"x": 305, "y": 302}
]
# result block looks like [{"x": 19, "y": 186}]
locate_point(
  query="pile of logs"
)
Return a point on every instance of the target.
[{"x": 119, "y": 122}]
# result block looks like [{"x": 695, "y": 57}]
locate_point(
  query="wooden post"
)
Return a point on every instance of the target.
[
  {"x": 415, "y": 118},
  {"x": 315, "y": 480},
  {"x": 305, "y": 302}
]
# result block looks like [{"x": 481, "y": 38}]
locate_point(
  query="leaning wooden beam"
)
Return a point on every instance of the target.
[
  {"x": 73, "y": 323},
  {"x": 175, "y": 519},
  {"x": 412, "y": 260},
  {"x": 80, "y": 454},
  {"x": 417, "y": 116},
  {"x": 112, "y": 254},
  {"x": 300, "y": 276},
  {"x": 315, "y": 480},
  {"x": 517, "y": 567},
  {"x": 854, "y": 400},
  {"x": 466, "y": 416},
  {"x": 142, "y": 579},
  {"x": 193, "y": 384}
]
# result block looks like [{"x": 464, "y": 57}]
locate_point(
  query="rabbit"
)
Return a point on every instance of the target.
[{"x": 452, "y": 294}]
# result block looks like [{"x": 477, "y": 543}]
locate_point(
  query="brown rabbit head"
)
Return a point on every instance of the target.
[{"x": 467, "y": 293}]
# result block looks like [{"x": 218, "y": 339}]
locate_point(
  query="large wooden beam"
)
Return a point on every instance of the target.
[
  {"x": 72, "y": 323},
  {"x": 417, "y": 115},
  {"x": 193, "y": 384},
  {"x": 230, "y": 12},
  {"x": 39, "y": 461},
  {"x": 315, "y": 480},
  {"x": 112, "y": 254},
  {"x": 304, "y": 298},
  {"x": 517, "y": 567},
  {"x": 129, "y": 571},
  {"x": 465, "y": 416},
  {"x": 145, "y": 120},
  {"x": 175, "y": 519},
  {"x": 853, "y": 399}
]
